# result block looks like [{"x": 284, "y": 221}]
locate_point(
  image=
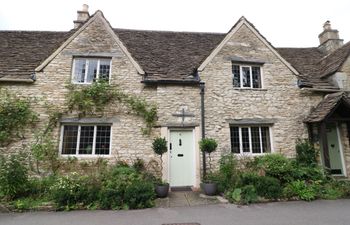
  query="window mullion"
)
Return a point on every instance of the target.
[
  {"x": 98, "y": 70},
  {"x": 94, "y": 141},
  {"x": 250, "y": 139},
  {"x": 260, "y": 139},
  {"x": 86, "y": 70},
  {"x": 241, "y": 76},
  {"x": 251, "y": 76},
  {"x": 78, "y": 141},
  {"x": 240, "y": 140}
]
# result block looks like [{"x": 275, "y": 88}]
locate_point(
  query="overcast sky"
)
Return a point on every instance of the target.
[{"x": 292, "y": 23}]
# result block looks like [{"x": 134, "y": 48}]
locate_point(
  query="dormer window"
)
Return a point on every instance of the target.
[
  {"x": 88, "y": 70},
  {"x": 246, "y": 76}
]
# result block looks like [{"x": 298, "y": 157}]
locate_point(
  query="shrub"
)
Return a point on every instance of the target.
[
  {"x": 301, "y": 190},
  {"x": 208, "y": 145},
  {"x": 267, "y": 187},
  {"x": 306, "y": 153},
  {"x": 228, "y": 176},
  {"x": 139, "y": 165},
  {"x": 331, "y": 191},
  {"x": 65, "y": 191},
  {"x": 124, "y": 187},
  {"x": 14, "y": 181},
  {"x": 245, "y": 195},
  {"x": 277, "y": 166}
]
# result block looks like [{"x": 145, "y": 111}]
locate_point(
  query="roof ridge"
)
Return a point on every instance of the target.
[{"x": 167, "y": 31}]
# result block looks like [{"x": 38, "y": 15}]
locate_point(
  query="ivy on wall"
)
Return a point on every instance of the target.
[
  {"x": 15, "y": 116},
  {"x": 93, "y": 99}
]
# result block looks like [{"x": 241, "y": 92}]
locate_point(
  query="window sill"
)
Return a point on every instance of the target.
[
  {"x": 249, "y": 89},
  {"x": 86, "y": 156}
]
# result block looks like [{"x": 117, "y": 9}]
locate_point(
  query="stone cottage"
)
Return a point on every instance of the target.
[{"x": 236, "y": 87}]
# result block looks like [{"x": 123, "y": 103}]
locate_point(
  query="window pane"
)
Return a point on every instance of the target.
[
  {"x": 256, "y": 77},
  {"x": 92, "y": 70},
  {"x": 104, "y": 69},
  {"x": 235, "y": 140},
  {"x": 86, "y": 139},
  {"x": 236, "y": 76},
  {"x": 103, "y": 137},
  {"x": 255, "y": 140},
  {"x": 265, "y": 136},
  {"x": 70, "y": 136},
  {"x": 79, "y": 70},
  {"x": 245, "y": 139},
  {"x": 246, "y": 76}
]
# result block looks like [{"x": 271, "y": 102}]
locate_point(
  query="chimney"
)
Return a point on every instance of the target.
[
  {"x": 329, "y": 38},
  {"x": 82, "y": 16}
]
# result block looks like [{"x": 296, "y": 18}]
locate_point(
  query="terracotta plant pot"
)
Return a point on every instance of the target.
[
  {"x": 162, "y": 190},
  {"x": 209, "y": 188}
]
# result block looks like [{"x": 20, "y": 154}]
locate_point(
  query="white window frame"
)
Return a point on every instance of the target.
[
  {"x": 251, "y": 75},
  {"x": 241, "y": 152},
  {"x": 78, "y": 141},
  {"x": 87, "y": 59}
]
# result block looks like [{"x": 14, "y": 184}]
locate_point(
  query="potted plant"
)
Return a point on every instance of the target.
[
  {"x": 208, "y": 145},
  {"x": 160, "y": 147}
]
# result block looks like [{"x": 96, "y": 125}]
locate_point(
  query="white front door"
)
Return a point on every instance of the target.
[{"x": 182, "y": 165}]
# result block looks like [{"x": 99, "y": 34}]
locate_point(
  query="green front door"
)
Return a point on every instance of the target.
[
  {"x": 334, "y": 150},
  {"x": 181, "y": 158}
]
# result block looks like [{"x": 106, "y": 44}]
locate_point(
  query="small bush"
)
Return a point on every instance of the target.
[
  {"x": 306, "y": 153},
  {"x": 14, "y": 182},
  {"x": 277, "y": 166},
  {"x": 228, "y": 176},
  {"x": 245, "y": 195},
  {"x": 301, "y": 190},
  {"x": 208, "y": 145},
  {"x": 65, "y": 191},
  {"x": 267, "y": 187},
  {"x": 139, "y": 165}
]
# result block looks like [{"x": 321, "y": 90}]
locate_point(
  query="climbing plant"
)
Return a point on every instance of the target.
[
  {"x": 15, "y": 115},
  {"x": 43, "y": 147},
  {"x": 92, "y": 99}
]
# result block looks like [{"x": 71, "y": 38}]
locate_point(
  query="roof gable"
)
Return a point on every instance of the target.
[
  {"x": 97, "y": 15},
  {"x": 243, "y": 21}
]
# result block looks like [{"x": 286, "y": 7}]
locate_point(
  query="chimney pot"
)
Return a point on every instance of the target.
[
  {"x": 82, "y": 16},
  {"x": 327, "y": 25}
]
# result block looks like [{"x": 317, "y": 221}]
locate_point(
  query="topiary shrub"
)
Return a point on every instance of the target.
[
  {"x": 208, "y": 145},
  {"x": 160, "y": 147},
  {"x": 14, "y": 182},
  {"x": 306, "y": 153}
]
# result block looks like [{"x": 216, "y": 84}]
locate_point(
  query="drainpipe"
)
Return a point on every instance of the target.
[{"x": 202, "y": 87}]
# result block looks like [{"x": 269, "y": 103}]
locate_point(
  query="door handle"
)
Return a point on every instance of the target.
[{"x": 180, "y": 155}]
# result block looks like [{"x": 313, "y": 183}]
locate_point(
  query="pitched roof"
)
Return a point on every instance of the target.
[
  {"x": 169, "y": 55},
  {"x": 307, "y": 61},
  {"x": 326, "y": 106},
  {"x": 334, "y": 61},
  {"x": 22, "y": 51}
]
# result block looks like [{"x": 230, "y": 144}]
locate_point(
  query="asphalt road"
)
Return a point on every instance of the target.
[{"x": 284, "y": 213}]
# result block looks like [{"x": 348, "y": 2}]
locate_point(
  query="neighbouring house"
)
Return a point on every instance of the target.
[{"x": 236, "y": 87}]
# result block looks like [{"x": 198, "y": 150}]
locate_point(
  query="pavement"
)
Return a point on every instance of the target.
[
  {"x": 319, "y": 212},
  {"x": 186, "y": 198}
]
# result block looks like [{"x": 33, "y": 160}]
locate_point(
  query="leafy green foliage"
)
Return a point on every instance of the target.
[
  {"x": 267, "y": 187},
  {"x": 244, "y": 195},
  {"x": 301, "y": 190},
  {"x": 159, "y": 146},
  {"x": 15, "y": 115},
  {"x": 306, "y": 153},
  {"x": 14, "y": 182},
  {"x": 208, "y": 145},
  {"x": 228, "y": 175},
  {"x": 94, "y": 98}
]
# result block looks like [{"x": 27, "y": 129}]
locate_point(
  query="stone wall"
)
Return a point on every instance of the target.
[{"x": 280, "y": 98}]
